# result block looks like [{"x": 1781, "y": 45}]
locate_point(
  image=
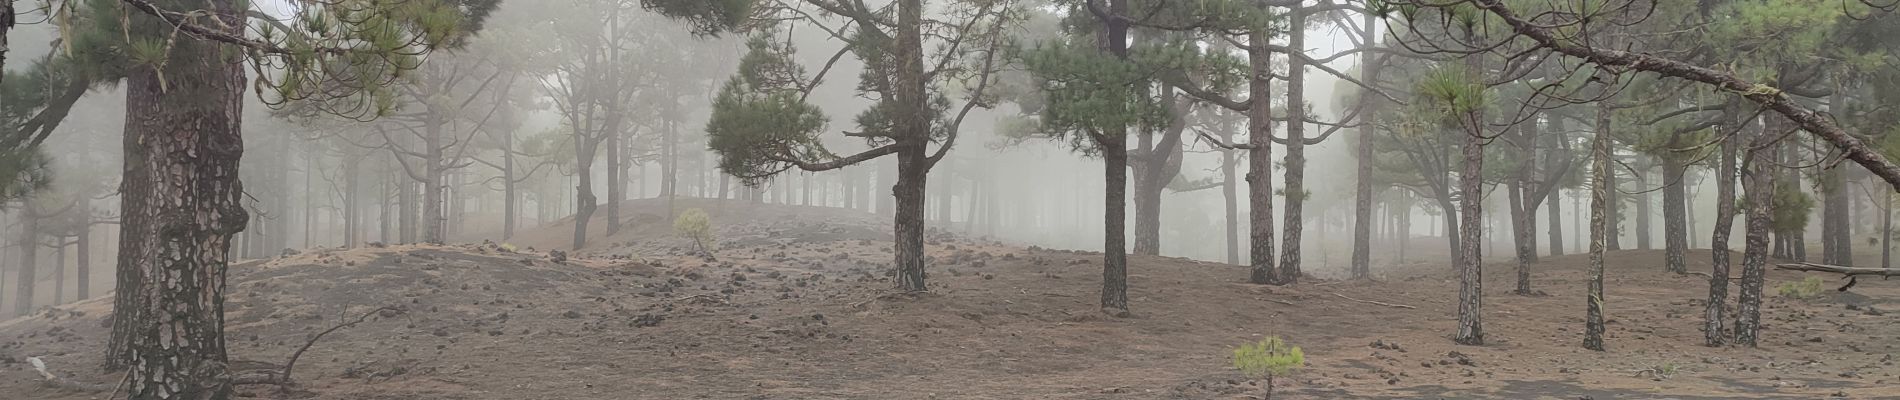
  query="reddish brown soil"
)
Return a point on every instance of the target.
[{"x": 808, "y": 316}]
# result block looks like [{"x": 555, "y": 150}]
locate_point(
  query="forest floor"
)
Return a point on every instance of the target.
[{"x": 797, "y": 306}]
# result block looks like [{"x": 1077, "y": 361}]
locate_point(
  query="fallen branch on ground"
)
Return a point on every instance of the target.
[
  {"x": 1851, "y": 273},
  {"x": 1375, "y": 302},
  {"x": 1844, "y": 271},
  {"x": 282, "y": 379}
]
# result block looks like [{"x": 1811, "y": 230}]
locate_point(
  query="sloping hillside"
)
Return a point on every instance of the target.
[{"x": 797, "y": 307}]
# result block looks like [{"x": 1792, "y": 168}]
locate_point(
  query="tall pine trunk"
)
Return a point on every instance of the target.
[
  {"x": 434, "y": 185},
  {"x": 908, "y": 195},
  {"x": 29, "y": 262},
  {"x": 1260, "y": 164},
  {"x": 1715, "y": 311},
  {"x": 1362, "y": 191},
  {"x": 584, "y": 201},
  {"x": 510, "y": 201},
  {"x": 168, "y": 322},
  {"x": 1114, "y": 217},
  {"x": 1295, "y": 189},
  {"x": 1230, "y": 203},
  {"x": 1760, "y": 189},
  {"x": 616, "y": 181},
  {"x": 1471, "y": 209},
  {"x": 1600, "y": 187},
  {"x": 1113, "y": 144},
  {"x": 1557, "y": 147},
  {"x": 82, "y": 273},
  {"x": 1644, "y": 228},
  {"x": 1675, "y": 214}
]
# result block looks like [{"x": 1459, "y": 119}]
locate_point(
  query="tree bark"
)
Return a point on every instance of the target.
[
  {"x": 1362, "y": 191},
  {"x": 1471, "y": 209},
  {"x": 1113, "y": 145},
  {"x": 1835, "y": 239},
  {"x": 1715, "y": 312},
  {"x": 434, "y": 217},
  {"x": 82, "y": 261},
  {"x": 584, "y": 201},
  {"x": 1557, "y": 147},
  {"x": 1601, "y": 185},
  {"x": 1230, "y": 203},
  {"x": 29, "y": 263},
  {"x": 1294, "y": 215},
  {"x": 616, "y": 181},
  {"x": 1643, "y": 205},
  {"x": 1522, "y": 224},
  {"x": 1260, "y": 164},
  {"x": 510, "y": 201},
  {"x": 1156, "y": 164},
  {"x": 909, "y": 213},
  {"x": 169, "y": 315},
  {"x": 1114, "y": 242},
  {"x": 1760, "y": 188},
  {"x": 1675, "y": 214}
]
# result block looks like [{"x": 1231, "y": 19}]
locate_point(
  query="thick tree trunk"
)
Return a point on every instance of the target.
[
  {"x": 1715, "y": 312},
  {"x": 670, "y": 170},
  {"x": 352, "y": 200},
  {"x": 584, "y": 201},
  {"x": 1522, "y": 224},
  {"x": 1114, "y": 147},
  {"x": 1471, "y": 263},
  {"x": 1835, "y": 238},
  {"x": 1362, "y": 191},
  {"x": 1613, "y": 240},
  {"x": 1675, "y": 215},
  {"x": 1600, "y": 188},
  {"x": 406, "y": 199},
  {"x": 1230, "y": 203},
  {"x": 1760, "y": 191},
  {"x": 1148, "y": 186},
  {"x": 82, "y": 273},
  {"x": 168, "y": 322},
  {"x": 27, "y": 277},
  {"x": 510, "y": 201},
  {"x": 616, "y": 182},
  {"x": 1557, "y": 148},
  {"x": 1114, "y": 240},
  {"x": 1471, "y": 209},
  {"x": 434, "y": 184},
  {"x": 1295, "y": 190},
  {"x": 1643, "y": 205},
  {"x": 1260, "y": 165},
  {"x": 909, "y": 212},
  {"x": 59, "y": 273}
]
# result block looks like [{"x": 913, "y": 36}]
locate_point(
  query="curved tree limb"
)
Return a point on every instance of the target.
[{"x": 1767, "y": 96}]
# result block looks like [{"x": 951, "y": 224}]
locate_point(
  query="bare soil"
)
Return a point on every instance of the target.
[{"x": 797, "y": 306}]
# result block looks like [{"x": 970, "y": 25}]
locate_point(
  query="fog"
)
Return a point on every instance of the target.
[{"x": 900, "y": 163}]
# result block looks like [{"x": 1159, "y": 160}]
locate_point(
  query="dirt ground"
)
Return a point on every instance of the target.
[{"x": 797, "y": 306}]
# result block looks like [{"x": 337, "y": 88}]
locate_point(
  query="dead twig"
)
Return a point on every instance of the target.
[
  {"x": 1836, "y": 269},
  {"x": 1375, "y": 302},
  {"x": 283, "y": 379},
  {"x": 123, "y": 378}
]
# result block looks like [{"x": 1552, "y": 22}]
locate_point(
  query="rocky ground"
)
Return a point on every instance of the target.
[{"x": 795, "y": 306}]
